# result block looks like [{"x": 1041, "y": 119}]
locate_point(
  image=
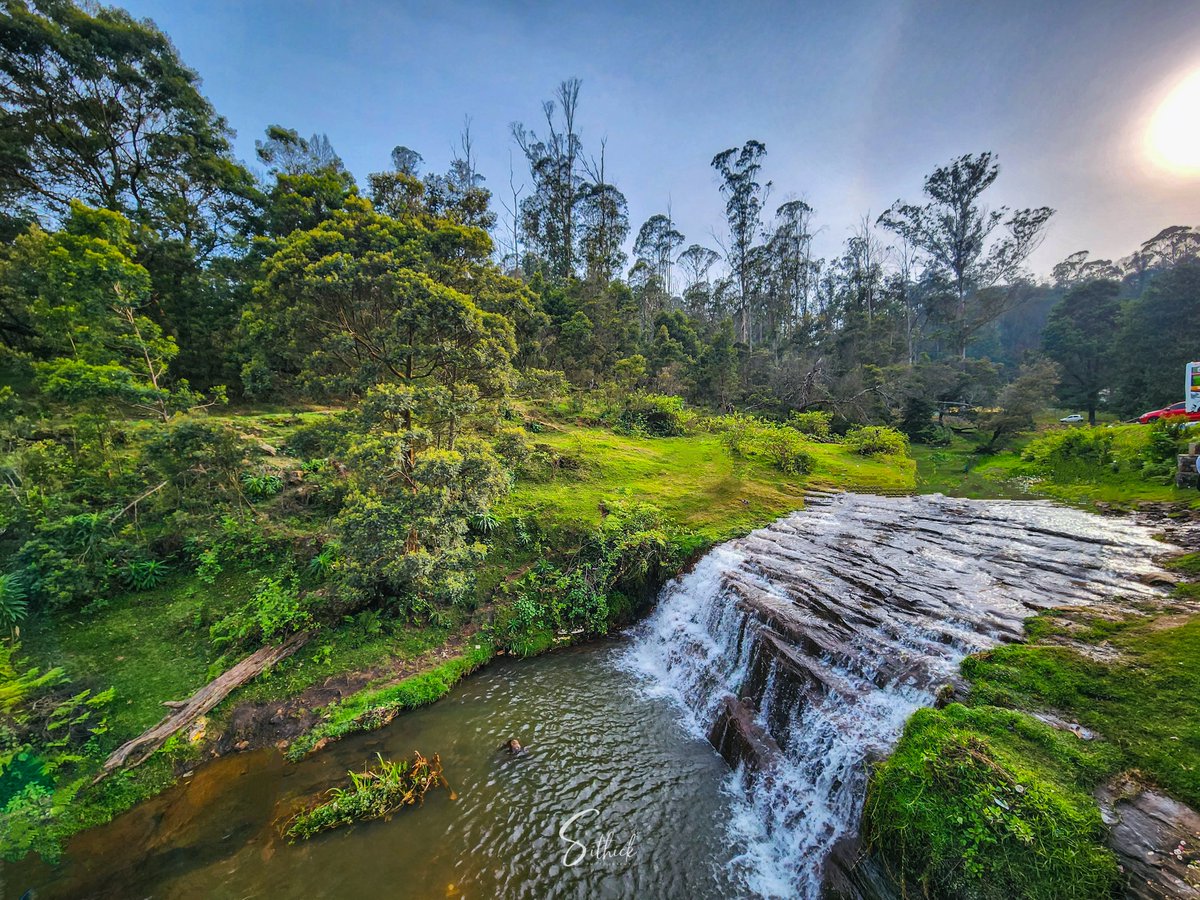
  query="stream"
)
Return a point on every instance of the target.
[{"x": 718, "y": 749}]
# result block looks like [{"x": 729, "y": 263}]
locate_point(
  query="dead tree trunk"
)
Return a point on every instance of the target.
[{"x": 137, "y": 751}]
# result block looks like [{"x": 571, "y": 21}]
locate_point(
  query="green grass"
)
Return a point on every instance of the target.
[
  {"x": 959, "y": 470},
  {"x": 149, "y": 646},
  {"x": 989, "y": 803},
  {"x": 1144, "y": 703},
  {"x": 950, "y": 764},
  {"x": 693, "y": 480}
]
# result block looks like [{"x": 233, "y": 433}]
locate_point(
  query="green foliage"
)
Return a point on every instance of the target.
[
  {"x": 47, "y": 733},
  {"x": 403, "y": 530},
  {"x": 261, "y": 485},
  {"x": 375, "y": 793},
  {"x": 813, "y": 423},
  {"x": 145, "y": 574},
  {"x": 375, "y": 707},
  {"x": 917, "y": 421},
  {"x": 876, "y": 440},
  {"x": 276, "y": 610},
  {"x": 14, "y": 602},
  {"x": 988, "y": 803},
  {"x": 653, "y": 415},
  {"x": 621, "y": 559},
  {"x": 1128, "y": 453}
]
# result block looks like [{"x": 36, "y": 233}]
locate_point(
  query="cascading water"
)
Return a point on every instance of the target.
[{"x": 800, "y": 650}]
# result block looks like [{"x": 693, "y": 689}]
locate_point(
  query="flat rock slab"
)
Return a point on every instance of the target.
[{"x": 1156, "y": 839}]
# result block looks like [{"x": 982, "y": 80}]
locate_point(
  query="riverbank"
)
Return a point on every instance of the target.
[
  {"x": 1058, "y": 765},
  {"x": 153, "y": 646}
]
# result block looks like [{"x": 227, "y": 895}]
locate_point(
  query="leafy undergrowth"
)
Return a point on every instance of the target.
[
  {"x": 934, "y": 802},
  {"x": 375, "y": 793},
  {"x": 374, "y": 707},
  {"x": 989, "y": 803}
]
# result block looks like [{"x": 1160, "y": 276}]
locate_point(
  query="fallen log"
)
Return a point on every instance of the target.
[{"x": 137, "y": 751}]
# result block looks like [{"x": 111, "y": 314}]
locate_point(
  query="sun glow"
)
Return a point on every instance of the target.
[{"x": 1174, "y": 135}]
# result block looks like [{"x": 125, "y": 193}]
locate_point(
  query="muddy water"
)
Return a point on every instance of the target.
[
  {"x": 593, "y": 741},
  {"x": 798, "y": 652}
]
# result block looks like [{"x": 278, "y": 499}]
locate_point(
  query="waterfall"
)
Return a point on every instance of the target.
[{"x": 801, "y": 649}]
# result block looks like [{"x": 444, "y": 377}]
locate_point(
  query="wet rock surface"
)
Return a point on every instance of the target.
[
  {"x": 1156, "y": 839},
  {"x": 800, "y": 650}
]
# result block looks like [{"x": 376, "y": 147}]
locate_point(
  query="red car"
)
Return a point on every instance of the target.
[{"x": 1175, "y": 409}]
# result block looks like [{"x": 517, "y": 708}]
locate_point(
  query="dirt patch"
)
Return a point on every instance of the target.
[{"x": 276, "y": 723}]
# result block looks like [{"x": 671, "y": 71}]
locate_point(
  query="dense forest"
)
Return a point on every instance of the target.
[{"x": 152, "y": 285}]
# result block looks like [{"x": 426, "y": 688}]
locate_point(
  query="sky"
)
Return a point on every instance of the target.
[{"x": 856, "y": 100}]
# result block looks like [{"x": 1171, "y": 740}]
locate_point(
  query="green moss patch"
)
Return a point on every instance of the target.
[{"x": 990, "y": 803}]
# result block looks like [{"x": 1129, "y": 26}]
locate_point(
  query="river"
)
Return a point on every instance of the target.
[{"x": 797, "y": 652}]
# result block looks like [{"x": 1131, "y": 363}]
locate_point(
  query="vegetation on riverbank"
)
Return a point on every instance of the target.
[
  {"x": 1114, "y": 466},
  {"x": 594, "y": 521},
  {"x": 982, "y": 799}
]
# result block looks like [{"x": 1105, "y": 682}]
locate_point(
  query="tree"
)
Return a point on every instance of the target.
[
  {"x": 548, "y": 214},
  {"x": 1155, "y": 341},
  {"x": 696, "y": 261},
  {"x": 744, "y": 201},
  {"x": 286, "y": 153},
  {"x": 82, "y": 299},
  {"x": 1078, "y": 269},
  {"x": 97, "y": 106},
  {"x": 403, "y": 530},
  {"x": 1022, "y": 399},
  {"x": 716, "y": 376},
  {"x": 363, "y": 299},
  {"x": 1079, "y": 337},
  {"x": 954, "y": 231}
]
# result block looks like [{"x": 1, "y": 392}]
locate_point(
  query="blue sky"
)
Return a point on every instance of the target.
[{"x": 855, "y": 100}]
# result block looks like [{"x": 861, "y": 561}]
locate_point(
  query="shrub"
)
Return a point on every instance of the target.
[
  {"x": 261, "y": 485},
  {"x": 786, "y": 450},
  {"x": 277, "y": 609},
  {"x": 143, "y": 575},
  {"x": 656, "y": 415},
  {"x": 815, "y": 424},
  {"x": 14, "y": 604},
  {"x": 514, "y": 447},
  {"x": 877, "y": 440}
]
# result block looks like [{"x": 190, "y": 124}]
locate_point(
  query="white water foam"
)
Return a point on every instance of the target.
[{"x": 876, "y": 601}]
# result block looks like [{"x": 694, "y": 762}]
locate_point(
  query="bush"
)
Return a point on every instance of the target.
[
  {"x": 781, "y": 445},
  {"x": 786, "y": 450},
  {"x": 876, "y": 440},
  {"x": 656, "y": 415},
  {"x": 276, "y": 610},
  {"x": 261, "y": 485},
  {"x": 815, "y": 424}
]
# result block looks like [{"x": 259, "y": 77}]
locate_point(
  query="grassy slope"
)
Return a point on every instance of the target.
[
  {"x": 932, "y": 809},
  {"x": 958, "y": 469},
  {"x": 693, "y": 480}
]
